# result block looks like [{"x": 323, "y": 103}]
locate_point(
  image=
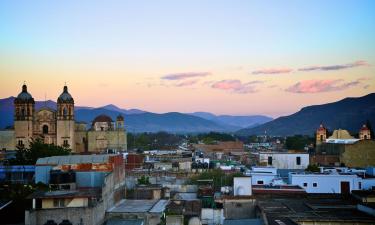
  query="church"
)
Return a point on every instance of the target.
[
  {"x": 343, "y": 149},
  {"x": 59, "y": 127}
]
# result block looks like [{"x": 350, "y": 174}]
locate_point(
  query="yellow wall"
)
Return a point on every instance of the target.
[{"x": 360, "y": 154}]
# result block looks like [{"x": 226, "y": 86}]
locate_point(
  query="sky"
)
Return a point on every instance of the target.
[{"x": 226, "y": 57}]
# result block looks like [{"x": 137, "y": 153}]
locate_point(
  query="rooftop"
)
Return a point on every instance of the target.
[
  {"x": 73, "y": 159},
  {"x": 139, "y": 206},
  {"x": 66, "y": 194},
  {"x": 332, "y": 208}
]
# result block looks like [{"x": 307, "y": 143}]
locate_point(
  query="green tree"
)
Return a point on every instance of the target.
[
  {"x": 217, "y": 175},
  {"x": 298, "y": 142},
  {"x": 143, "y": 180},
  {"x": 37, "y": 149},
  {"x": 312, "y": 168}
]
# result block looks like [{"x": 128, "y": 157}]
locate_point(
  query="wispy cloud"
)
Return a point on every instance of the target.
[
  {"x": 236, "y": 86},
  {"x": 272, "y": 71},
  {"x": 182, "y": 76},
  {"x": 316, "y": 86},
  {"x": 186, "y": 83},
  {"x": 335, "y": 67}
]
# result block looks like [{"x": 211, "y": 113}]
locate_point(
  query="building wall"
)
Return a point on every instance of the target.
[
  {"x": 325, "y": 183},
  {"x": 7, "y": 140},
  {"x": 86, "y": 215},
  {"x": 239, "y": 208},
  {"x": 360, "y": 154},
  {"x": 69, "y": 202},
  {"x": 242, "y": 186},
  {"x": 80, "y": 140},
  {"x": 285, "y": 160},
  {"x": 266, "y": 178},
  {"x": 65, "y": 131},
  {"x": 212, "y": 216},
  {"x": 100, "y": 140},
  {"x": 23, "y": 131}
]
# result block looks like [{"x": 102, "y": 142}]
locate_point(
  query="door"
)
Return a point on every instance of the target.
[{"x": 345, "y": 187}]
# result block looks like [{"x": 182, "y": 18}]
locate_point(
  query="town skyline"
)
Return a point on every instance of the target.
[{"x": 225, "y": 58}]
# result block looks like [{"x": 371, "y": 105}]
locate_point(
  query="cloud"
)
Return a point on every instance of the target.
[
  {"x": 272, "y": 71},
  {"x": 335, "y": 67},
  {"x": 316, "y": 86},
  {"x": 182, "y": 76},
  {"x": 186, "y": 83},
  {"x": 236, "y": 86}
]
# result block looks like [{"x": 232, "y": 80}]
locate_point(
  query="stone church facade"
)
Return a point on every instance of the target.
[{"x": 58, "y": 126}]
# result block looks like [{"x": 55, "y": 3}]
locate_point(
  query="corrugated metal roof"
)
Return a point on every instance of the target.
[{"x": 73, "y": 159}]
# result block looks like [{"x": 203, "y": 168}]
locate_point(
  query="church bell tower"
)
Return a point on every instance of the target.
[
  {"x": 24, "y": 109},
  {"x": 65, "y": 120}
]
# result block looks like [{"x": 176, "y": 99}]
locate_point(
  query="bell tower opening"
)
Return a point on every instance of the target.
[{"x": 45, "y": 129}]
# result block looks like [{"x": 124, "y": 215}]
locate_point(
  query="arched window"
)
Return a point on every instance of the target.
[
  {"x": 65, "y": 112},
  {"x": 23, "y": 112},
  {"x": 321, "y": 137},
  {"x": 365, "y": 137},
  {"x": 45, "y": 129}
]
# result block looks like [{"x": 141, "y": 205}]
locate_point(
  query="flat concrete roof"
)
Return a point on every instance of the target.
[
  {"x": 139, "y": 206},
  {"x": 73, "y": 159}
]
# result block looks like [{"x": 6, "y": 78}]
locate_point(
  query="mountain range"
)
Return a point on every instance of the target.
[
  {"x": 348, "y": 113},
  {"x": 142, "y": 121}
]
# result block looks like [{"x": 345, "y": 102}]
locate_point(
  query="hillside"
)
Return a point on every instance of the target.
[{"x": 349, "y": 113}]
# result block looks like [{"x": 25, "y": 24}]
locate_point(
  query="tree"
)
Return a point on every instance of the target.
[
  {"x": 143, "y": 180},
  {"x": 217, "y": 175},
  {"x": 298, "y": 142},
  {"x": 312, "y": 168},
  {"x": 37, "y": 149}
]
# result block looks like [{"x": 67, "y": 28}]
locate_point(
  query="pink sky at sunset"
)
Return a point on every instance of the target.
[{"x": 220, "y": 57}]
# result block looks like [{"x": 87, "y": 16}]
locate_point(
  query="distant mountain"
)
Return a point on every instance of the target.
[
  {"x": 135, "y": 120},
  {"x": 236, "y": 121},
  {"x": 124, "y": 111},
  {"x": 349, "y": 114}
]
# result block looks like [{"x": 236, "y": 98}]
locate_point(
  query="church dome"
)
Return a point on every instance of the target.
[
  {"x": 102, "y": 118},
  {"x": 364, "y": 128},
  {"x": 120, "y": 118},
  {"x": 65, "y": 97},
  {"x": 24, "y": 96}
]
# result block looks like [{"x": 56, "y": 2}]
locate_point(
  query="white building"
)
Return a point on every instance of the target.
[
  {"x": 326, "y": 182},
  {"x": 242, "y": 186},
  {"x": 264, "y": 175},
  {"x": 285, "y": 160}
]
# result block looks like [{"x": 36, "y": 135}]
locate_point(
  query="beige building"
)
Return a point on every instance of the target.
[{"x": 58, "y": 127}]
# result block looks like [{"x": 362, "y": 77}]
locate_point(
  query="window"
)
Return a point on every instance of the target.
[
  {"x": 65, "y": 143},
  {"x": 45, "y": 129},
  {"x": 315, "y": 185},
  {"x": 65, "y": 113},
  {"x": 20, "y": 142},
  {"x": 57, "y": 202},
  {"x": 359, "y": 185},
  {"x": 321, "y": 137},
  {"x": 298, "y": 160},
  {"x": 305, "y": 184},
  {"x": 259, "y": 182},
  {"x": 269, "y": 160}
]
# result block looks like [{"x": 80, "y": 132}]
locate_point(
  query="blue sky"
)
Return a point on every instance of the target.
[{"x": 125, "y": 48}]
